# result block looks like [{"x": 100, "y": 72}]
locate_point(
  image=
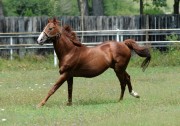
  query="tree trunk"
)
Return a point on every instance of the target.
[
  {"x": 97, "y": 7},
  {"x": 81, "y": 2},
  {"x": 141, "y": 6},
  {"x": 85, "y": 7},
  {"x": 176, "y": 6},
  {"x": 1, "y": 9}
]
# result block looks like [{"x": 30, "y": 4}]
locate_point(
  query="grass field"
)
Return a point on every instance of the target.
[{"x": 95, "y": 101}]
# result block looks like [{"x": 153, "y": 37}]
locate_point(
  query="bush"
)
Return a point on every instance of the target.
[{"x": 173, "y": 46}]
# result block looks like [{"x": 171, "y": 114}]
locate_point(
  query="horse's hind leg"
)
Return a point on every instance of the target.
[
  {"x": 124, "y": 79},
  {"x": 128, "y": 82},
  {"x": 70, "y": 89}
]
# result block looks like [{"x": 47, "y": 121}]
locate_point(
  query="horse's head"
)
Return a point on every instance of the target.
[{"x": 50, "y": 31}]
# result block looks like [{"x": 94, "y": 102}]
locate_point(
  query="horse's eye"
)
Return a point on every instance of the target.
[{"x": 50, "y": 29}]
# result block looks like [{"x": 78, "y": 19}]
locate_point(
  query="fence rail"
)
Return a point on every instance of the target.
[{"x": 91, "y": 38}]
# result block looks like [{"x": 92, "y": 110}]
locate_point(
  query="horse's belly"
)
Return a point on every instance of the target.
[
  {"x": 90, "y": 71},
  {"x": 93, "y": 66}
]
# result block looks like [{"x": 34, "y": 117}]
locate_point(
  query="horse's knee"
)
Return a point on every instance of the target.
[{"x": 127, "y": 76}]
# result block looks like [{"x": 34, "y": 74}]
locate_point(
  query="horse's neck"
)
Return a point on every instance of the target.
[{"x": 62, "y": 47}]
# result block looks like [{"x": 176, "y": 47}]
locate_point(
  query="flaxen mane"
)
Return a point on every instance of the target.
[{"x": 67, "y": 30}]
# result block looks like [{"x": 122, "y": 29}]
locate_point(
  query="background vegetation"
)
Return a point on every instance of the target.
[
  {"x": 72, "y": 7},
  {"x": 40, "y": 7}
]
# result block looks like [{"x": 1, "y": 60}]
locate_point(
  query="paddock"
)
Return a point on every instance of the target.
[{"x": 95, "y": 100}]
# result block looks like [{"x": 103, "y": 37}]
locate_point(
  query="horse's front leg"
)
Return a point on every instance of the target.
[
  {"x": 70, "y": 89},
  {"x": 62, "y": 79}
]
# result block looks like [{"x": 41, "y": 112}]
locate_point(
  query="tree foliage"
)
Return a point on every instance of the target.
[
  {"x": 24, "y": 7},
  {"x": 117, "y": 7},
  {"x": 93, "y": 7},
  {"x": 159, "y": 3},
  {"x": 39, "y": 7},
  {"x": 152, "y": 6}
]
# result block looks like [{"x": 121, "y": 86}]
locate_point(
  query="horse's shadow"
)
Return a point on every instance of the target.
[{"x": 94, "y": 102}]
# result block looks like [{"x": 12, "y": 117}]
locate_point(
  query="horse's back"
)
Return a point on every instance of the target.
[{"x": 113, "y": 51}]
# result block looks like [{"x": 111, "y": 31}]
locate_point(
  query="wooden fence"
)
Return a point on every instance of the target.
[{"x": 36, "y": 24}]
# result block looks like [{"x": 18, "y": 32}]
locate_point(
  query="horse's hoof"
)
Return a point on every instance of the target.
[
  {"x": 137, "y": 96},
  {"x": 69, "y": 104},
  {"x": 134, "y": 94},
  {"x": 120, "y": 99},
  {"x": 38, "y": 106}
]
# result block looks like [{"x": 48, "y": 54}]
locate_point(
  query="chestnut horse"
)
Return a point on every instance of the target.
[{"x": 77, "y": 60}]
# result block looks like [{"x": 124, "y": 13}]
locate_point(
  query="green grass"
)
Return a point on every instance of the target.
[{"x": 95, "y": 101}]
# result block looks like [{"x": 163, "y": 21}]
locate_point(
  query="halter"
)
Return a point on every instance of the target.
[{"x": 48, "y": 38}]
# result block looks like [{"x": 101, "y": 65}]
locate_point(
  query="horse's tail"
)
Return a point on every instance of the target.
[{"x": 141, "y": 51}]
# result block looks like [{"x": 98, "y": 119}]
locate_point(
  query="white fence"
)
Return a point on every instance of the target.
[{"x": 143, "y": 36}]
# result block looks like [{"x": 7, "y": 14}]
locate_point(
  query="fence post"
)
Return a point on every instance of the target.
[
  {"x": 122, "y": 38},
  {"x": 11, "y": 50},
  {"x": 55, "y": 59},
  {"x": 117, "y": 35}
]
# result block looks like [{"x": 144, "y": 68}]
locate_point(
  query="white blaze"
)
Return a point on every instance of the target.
[{"x": 41, "y": 38}]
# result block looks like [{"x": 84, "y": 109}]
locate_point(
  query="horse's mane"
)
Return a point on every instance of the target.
[{"x": 67, "y": 30}]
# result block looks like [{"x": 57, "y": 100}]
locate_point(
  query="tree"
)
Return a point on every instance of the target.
[
  {"x": 97, "y": 8},
  {"x": 155, "y": 5},
  {"x": 176, "y": 6},
  {"x": 83, "y": 7},
  {"x": 81, "y": 4},
  {"x": 141, "y": 6},
  {"x": 1, "y": 9},
  {"x": 91, "y": 7}
]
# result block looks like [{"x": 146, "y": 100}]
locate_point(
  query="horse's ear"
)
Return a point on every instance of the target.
[
  {"x": 55, "y": 21},
  {"x": 49, "y": 20}
]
